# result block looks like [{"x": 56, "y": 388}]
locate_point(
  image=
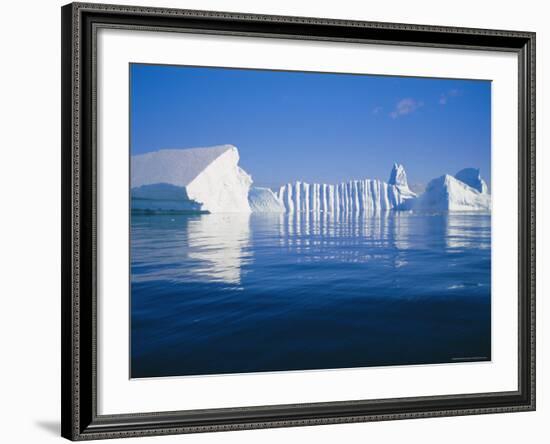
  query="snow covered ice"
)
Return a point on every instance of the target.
[
  {"x": 352, "y": 196},
  {"x": 263, "y": 200},
  {"x": 398, "y": 177},
  {"x": 448, "y": 193},
  {"x": 195, "y": 179},
  {"x": 210, "y": 180}
]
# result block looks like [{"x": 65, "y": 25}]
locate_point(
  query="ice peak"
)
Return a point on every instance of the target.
[{"x": 398, "y": 176}]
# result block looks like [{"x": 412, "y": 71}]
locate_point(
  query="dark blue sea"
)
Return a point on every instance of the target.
[{"x": 234, "y": 293}]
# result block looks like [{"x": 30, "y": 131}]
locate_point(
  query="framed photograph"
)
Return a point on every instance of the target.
[{"x": 280, "y": 221}]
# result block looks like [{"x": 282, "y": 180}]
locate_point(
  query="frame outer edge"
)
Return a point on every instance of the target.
[
  {"x": 70, "y": 103},
  {"x": 72, "y": 398},
  {"x": 532, "y": 61},
  {"x": 66, "y": 307},
  {"x": 235, "y": 16}
]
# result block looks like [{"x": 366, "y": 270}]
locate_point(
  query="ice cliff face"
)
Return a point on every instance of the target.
[
  {"x": 448, "y": 193},
  {"x": 263, "y": 200},
  {"x": 352, "y": 196},
  {"x": 196, "y": 179}
]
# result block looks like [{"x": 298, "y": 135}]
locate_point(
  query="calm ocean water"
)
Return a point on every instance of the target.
[{"x": 233, "y": 293}]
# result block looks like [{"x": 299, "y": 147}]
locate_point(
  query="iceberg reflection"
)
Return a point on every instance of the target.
[
  {"x": 218, "y": 245},
  {"x": 359, "y": 237},
  {"x": 222, "y": 247},
  {"x": 184, "y": 248},
  {"x": 468, "y": 230}
]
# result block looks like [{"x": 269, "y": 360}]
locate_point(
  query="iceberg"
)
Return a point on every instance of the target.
[
  {"x": 351, "y": 196},
  {"x": 163, "y": 197},
  {"x": 210, "y": 180},
  {"x": 205, "y": 179},
  {"x": 264, "y": 200},
  {"x": 448, "y": 193},
  {"x": 398, "y": 178}
]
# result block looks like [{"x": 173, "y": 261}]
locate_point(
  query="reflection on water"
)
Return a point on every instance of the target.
[
  {"x": 226, "y": 293},
  {"x": 468, "y": 230},
  {"x": 209, "y": 247},
  {"x": 361, "y": 235},
  {"x": 218, "y": 247}
]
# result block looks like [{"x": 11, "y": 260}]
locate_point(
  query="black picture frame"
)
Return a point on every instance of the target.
[{"x": 80, "y": 420}]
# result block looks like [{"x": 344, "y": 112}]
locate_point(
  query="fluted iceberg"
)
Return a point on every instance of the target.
[
  {"x": 351, "y": 196},
  {"x": 355, "y": 195}
]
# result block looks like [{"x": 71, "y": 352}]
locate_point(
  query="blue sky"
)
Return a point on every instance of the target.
[{"x": 315, "y": 127}]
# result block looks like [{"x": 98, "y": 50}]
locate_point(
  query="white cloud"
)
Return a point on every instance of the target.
[
  {"x": 444, "y": 98},
  {"x": 404, "y": 107},
  {"x": 454, "y": 92}
]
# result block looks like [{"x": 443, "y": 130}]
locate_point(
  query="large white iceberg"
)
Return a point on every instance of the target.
[
  {"x": 196, "y": 179},
  {"x": 448, "y": 193}
]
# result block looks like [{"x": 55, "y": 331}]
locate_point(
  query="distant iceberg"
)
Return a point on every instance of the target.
[
  {"x": 448, "y": 193},
  {"x": 195, "y": 179},
  {"x": 210, "y": 180}
]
